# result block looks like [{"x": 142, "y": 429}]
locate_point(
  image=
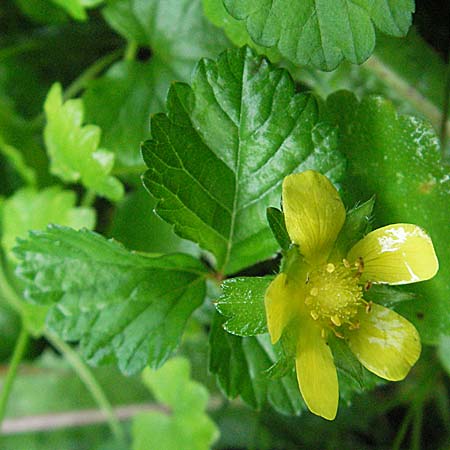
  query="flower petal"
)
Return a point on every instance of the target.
[
  {"x": 314, "y": 214},
  {"x": 396, "y": 254},
  {"x": 316, "y": 372},
  {"x": 280, "y": 305},
  {"x": 385, "y": 343}
]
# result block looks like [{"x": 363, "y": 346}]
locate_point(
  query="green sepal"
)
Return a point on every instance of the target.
[{"x": 277, "y": 224}]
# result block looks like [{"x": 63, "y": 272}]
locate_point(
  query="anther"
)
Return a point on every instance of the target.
[
  {"x": 346, "y": 263},
  {"x": 369, "y": 307},
  {"x": 368, "y": 286},
  {"x": 330, "y": 267},
  {"x": 336, "y": 320},
  {"x": 314, "y": 291},
  {"x": 323, "y": 333},
  {"x": 314, "y": 314}
]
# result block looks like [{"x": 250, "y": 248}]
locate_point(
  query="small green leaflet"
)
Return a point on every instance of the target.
[
  {"x": 322, "y": 33},
  {"x": 275, "y": 217},
  {"x": 241, "y": 366},
  {"x": 76, "y": 8},
  {"x": 122, "y": 306},
  {"x": 397, "y": 158},
  {"x": 217, "y": 159},
  {"x": 356, "y": 226},
  {"x": 242, "y": 303},
  {"x": 186, "y": 423},
  {"x": 122, "y": 100},
  {"x": 73, "y": 148}
]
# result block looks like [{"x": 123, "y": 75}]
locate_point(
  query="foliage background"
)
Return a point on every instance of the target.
[{"x": 115, "y": 62}]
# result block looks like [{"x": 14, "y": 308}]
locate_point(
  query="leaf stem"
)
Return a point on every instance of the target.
[
  {"x": 131, "y": 51},
  {"x": 19, "y": 351},
  {"x": 88, "y": 198},
  {"x": 90, "y": 382},
  {"x": 438, "y": 118},
  {"x": 81, "y": 82},
  {"x": 445, "y": 127},
  {"x": 7, "y": 292}
]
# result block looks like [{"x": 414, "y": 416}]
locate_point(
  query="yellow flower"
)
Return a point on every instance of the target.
[{"x": 320, "y": 293}]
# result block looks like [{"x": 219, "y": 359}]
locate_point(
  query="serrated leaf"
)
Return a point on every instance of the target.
[
  {"x": 29, "y": 209},
  {"x": 120, "y": 305},
  {"x": 397, "y": 158},
  {"x": 275, "y": 217},
  {"x": 242, "y": 304},
  {"x": 122, "y": 100},
  {"x": 235, "y": 29},
  {"x": 73, "y": 147},
  {"x": 186, "y": 423},
  {"x": 321, "y": 32},
  {"x": 241, "y": 367},
  {"x": 217, "y": 160}
]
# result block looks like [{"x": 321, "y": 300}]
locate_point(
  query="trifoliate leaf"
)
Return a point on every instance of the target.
[
  {"x": 321, "y": 32},
  {"x": 242, "y": 304},
  {"x": 217, "y": 160},
  {"x": 29, "y": 209},
  {"x": 275, "y": 217},
  {"x": 397, "y": 158},
  {"x": 186, "y": 422},
  {"x": 122, "y": 100},
  {"x": 120, "y": 305},
  {"x": 241, "y": 366},
  {"x": 73, "y": 148}
]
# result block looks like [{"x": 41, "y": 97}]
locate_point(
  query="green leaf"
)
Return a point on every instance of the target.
[
  {"x": 356, "y": 226},
  {"x": 275, "y": 217},
  {"x": 120, "y": 305},
  {"x": 242, "y": 303},
  {"x": 397, "y": 158},
  {"x": 74, "y": 8},
  {"x": 235, "y": 30},
  {"x": 136, "y": 226},
  {"x": 241, "y": 367},
  {"x": 29, "y": 209},
  {"x": 186, "y": 423},
  {"x": 321, "y": 32},
  {"x": 122, "y": 101},
  {"x": 395, "y": 71},
  {"x": 444, "y": 352},
  {"x": 16, "y": 160},
  {"x": 217, "y": 160},
  {"x": 388, "y": 295},
  {"x": 73, "y": 148}
]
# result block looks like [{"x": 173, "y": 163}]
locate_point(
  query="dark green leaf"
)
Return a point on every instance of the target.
[
  {"x": 187, "y": 421},
  {"x": 397, "y": 158},
  {"x": 356, "y": 226},
  {"x": 388, "y": 295},
  {"x": 242, "y": 303},
  {"x": 241, "y": 367},
  {"x": 321, "y": 32},
  {"x": 121, "y": 305},
  {"x": 278, "y": 226},
  {"x": 217, "y": 160}
]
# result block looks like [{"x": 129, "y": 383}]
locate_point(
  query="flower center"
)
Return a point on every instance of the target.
[{"x": 334, "y": 295}]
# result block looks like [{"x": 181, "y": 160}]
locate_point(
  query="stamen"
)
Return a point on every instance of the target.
[
  {"x": 330, "y": 267},
  {"x": 314, "y": 291},
  {"x": 336, "y": 320},
  {"x": 314, "y": 314},
  {"x": 368, "y": 286},
  {"x": 346, "y": 263},
  {"x": 369, "y": 307}
]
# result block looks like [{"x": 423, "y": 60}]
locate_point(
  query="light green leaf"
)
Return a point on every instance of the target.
[
  {"x": 242, "y": 304},
  {"x": 29, "y": 209},
  {"x": 74, "y": 8},
  {"x": 241, "y": 367},
  {"x": 73, "y": 148},
  {"x": 186, "y": 423},
  {"x": 217, "y": 160},
  {"x": 397, "y": 158},
  {"x": 120, "y": 305},
  {"x": 122, "y": 101},
  {"x": 322, "y": 32},
  {"x": 16, "y": 160}
]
